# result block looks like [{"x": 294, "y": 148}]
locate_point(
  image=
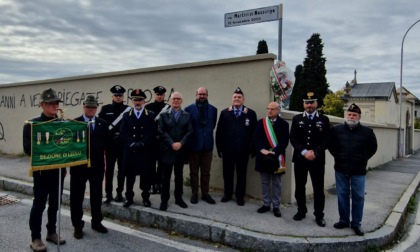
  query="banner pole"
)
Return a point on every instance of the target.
[{"x": 59, "y": 209}]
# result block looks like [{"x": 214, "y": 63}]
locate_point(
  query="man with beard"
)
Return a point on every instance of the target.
[
  {"x": 204, "y": 117},
  {"x": 158, "y": 107},
  {"x": 352, "y": 145},
  {"x": 138, "y": 129},
  {"x": 234, "y": 145},
  {"x": 112, "y": 114},
  {"x": 309, "y": 136}
]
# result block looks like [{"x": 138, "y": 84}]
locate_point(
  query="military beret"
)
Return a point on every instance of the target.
[
  {"x": 91, "y": 102},
  {"x": 137, "y": 93},
  {"x": 238, "y": 91},
  {"x": 354, "y": 108},
  {"x": 159, "y": 90},
  {"x": 49, "y": 95},
  {"x": 117, "y": 89}
]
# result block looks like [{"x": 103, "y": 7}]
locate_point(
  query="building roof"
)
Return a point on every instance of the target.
[{"x": 380, "y": 90}]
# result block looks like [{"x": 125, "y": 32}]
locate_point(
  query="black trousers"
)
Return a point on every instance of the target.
[
  {"x": 145, "y": 182},
  {"x": 78, "y": 178},
  {"x": 317, "y": 176},
  {"x": 46, "y": 186},
  {"x": 114, "y": 155},
  {"x": 178, "y": 168},
  {"x": 157, "y": 170},
  {"x": 232, "y": 162}
]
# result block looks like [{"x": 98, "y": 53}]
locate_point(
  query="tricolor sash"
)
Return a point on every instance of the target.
[{"x": 272, "y": 139}]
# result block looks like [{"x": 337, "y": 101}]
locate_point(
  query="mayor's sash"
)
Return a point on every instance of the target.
[
  {"x": 58, "y": 144},
  {"x": 272, "y": 139}
]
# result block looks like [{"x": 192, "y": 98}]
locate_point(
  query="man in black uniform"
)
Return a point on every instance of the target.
[
  {"x": 46, "y": 182},
  {"x": 98, "y": 137},
  {"x": 309, "y": 136},
  {"x": 112, "y": 114},
  {"x": 233, "y": 142},
  {"x": 158, "y": 106},
  {"x": 138, "y": 130}
]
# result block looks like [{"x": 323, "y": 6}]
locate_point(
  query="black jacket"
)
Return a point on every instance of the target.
[
  {"x": 98, "y": 140},
  {"x": 172, "y": 131},
  {"x": 311, "y": 135},
  {"x": 352, "y": 148},
  {"x": 260, "y": 141},
  {"x": 234, "y": 135}
]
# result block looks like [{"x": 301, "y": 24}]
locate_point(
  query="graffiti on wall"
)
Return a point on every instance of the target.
[
  {"x": 2, "y": 133},
  {"x": 69, "y": 98}
]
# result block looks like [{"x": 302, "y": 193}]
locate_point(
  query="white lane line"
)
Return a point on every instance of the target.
[{"x": 139, "y": 234}]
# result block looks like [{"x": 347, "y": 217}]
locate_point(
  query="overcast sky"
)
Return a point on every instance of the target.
[{"x": 47, "y": 39}]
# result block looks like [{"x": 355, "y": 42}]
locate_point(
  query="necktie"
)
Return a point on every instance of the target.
[
  {"x": 310, "y": 117},
  {"x": 236, "y": 113},
  {"x": 138, "y": 114},
  {"x": 91, "y": 125}
]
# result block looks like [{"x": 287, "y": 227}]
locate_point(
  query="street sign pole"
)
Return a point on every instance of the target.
[{"x": 279, "y": 56}]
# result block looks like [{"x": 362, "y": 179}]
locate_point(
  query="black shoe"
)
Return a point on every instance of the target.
[
  {"x": 263, "y": 209},
  {"x": 107, "y": 200},
  {"x": 128, "y": 203},
  {"x": 147, "y": 203},
  {"x": 181, "y": 203},
  {"x": 226, "y": 199},
  {"x": 277, "y": 212},
  {"x": 163, "y": 206},
  {"x": 78, "y": 233},
  {"x": 320, "y": 222},
  {"x": 118, "y": 198},
  {"x": 358, "y": 230},
  {"x": 240, "y": 202},
  {"x": 194, "y": 199},
  {"x": 207, "y": 198},
  {"x": 99, "y": 228},
  {"x": 341, "y": 225},
  {"x": 299, "y": 216}
]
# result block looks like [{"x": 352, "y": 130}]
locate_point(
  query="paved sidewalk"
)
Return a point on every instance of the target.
[{"x": 388, "y": 190}]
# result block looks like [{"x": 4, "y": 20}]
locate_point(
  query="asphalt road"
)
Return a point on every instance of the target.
[{"x": 15, "y": 233}]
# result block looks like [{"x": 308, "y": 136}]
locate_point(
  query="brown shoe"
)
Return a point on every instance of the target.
[
  {"x": 54, "y": 239},
  {"x": 37, "y": 245}
]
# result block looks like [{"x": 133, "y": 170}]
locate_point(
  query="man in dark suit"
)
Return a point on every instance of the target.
[
  {"x": 309, "y": 136},
  {"x": 98, "y": 135},
  {"x": 158, "y": 107},
  {"x": 271, "y": 138},
  {"x": 234, "y": 132},
  {"x": 138, "y": 129},
  {"x": 112, "y": 113},
  {"x": 175, "y": 129},
  {"x": 204, "y": 117}
]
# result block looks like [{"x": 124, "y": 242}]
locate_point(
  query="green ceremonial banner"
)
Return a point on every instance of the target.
[{"x": 58, "y": 144}]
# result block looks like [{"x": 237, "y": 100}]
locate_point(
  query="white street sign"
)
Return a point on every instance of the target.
[{"x": 252, "y": 16}]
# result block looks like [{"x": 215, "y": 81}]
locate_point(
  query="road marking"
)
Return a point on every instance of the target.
[{"x": 136, "y": 233}]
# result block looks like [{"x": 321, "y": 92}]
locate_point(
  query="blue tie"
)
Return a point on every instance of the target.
[{"x": 236, "y": 113}]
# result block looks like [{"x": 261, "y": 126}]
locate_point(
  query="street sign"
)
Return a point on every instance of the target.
[{"x": 253, "y": 16}]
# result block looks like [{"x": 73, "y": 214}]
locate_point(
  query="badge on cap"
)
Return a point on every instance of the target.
[{"x": 238, "y": 91}]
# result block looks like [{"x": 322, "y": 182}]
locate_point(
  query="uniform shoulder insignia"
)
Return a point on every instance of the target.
[{"x": 245, "y": 110}]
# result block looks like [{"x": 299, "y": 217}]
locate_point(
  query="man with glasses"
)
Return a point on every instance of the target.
[
  {"x": 175, "y": 129},
  {"x": 204, "y": 117},
  {"x": 158, "y": 107},
  {"x": 112, "y": 114},
  {"x": 138, "y": 130},
  {"x": 46, "y": 182},
  {"x": 309, "y": 136}
]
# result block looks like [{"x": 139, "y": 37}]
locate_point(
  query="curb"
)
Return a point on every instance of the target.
[{"x": 240, "y": 238}]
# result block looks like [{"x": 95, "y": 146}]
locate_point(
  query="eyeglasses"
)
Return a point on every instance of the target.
[{"x": 176, "y": 99}]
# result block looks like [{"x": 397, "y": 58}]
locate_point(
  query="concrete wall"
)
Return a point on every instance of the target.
[
  {"x": 416, "y": 139},
  {"x": 19, "y": 102}
]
